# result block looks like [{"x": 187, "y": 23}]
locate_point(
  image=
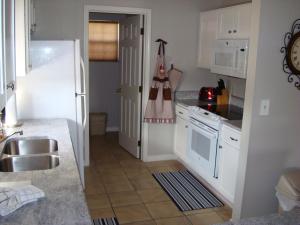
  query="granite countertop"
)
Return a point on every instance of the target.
[
  {"x": 65, "y": 202},
  {"x": 235, "y": 124},
  {"x": 286, "y": 218}
]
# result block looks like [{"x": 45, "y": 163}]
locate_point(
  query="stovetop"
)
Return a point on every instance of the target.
[{"x": 229, "y": 112}]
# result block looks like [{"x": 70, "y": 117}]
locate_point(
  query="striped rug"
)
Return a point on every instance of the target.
[
  {"x": 186, "y": 191},
  {"x": 106, "y": 221}
]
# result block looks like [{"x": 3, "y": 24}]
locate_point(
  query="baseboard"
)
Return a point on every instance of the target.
[
  {"x": 151, "y": 158},
  {"x": 112, "y": 129}
]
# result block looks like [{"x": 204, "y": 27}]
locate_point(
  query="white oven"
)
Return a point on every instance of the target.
[
  {"x": 202, "y": 146},
  {"x": 230, "y": 58}
]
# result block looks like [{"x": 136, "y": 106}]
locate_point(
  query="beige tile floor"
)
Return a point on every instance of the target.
[{"x": 118, "y": 185}]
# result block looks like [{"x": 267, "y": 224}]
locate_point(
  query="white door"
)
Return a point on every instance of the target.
[
  {"x": 131, "y": 42},
  {"x": 81, "y": 110}
]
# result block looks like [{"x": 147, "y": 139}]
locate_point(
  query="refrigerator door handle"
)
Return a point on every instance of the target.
[
  {"x": 79, "y": 94},
  {"x": 83, "y": 74},
  {"x": 85, "y": 112},
  {"x": 84, "y": 90}
]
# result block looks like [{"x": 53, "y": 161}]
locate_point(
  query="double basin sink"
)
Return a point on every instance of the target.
[{"x": 30, "y": 153}]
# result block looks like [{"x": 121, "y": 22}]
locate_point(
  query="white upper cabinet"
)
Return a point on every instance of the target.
[
  {"x": 9, "y": 50},
  {"x": 2, "y": 58},
  {"x": 234, "y": 22},
  {"x": 207, "y": 35},
  {"x": 226, "y": 23},
  {"x": 25, "y": 25}
]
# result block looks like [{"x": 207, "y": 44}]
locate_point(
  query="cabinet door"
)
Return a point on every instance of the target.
[
  {"x": 244, "y": 21},
  {"x": 207, "y": 36},
  {"x": 9, "y": 34},
  {"x": 2, "y": 60},
  {"x": 228, "y": 167},
  {"x": 234, "y": 22},
  {"x": 227, "y": 20},
  {"x": 181, "y": 132}
]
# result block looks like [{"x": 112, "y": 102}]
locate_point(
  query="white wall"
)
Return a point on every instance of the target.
[
  {"x": 173, "y": 20},
  {"x": 269, "y": 143},
  {"x": 234, "y": 2}
]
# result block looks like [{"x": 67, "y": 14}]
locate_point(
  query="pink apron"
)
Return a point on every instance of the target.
[{"x": 159, "y": 107}]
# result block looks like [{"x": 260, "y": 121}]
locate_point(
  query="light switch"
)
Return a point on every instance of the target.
[{"x": 264, "y": 107}]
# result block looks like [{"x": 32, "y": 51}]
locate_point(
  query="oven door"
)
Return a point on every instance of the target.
[{"x": 202, "y": 146}]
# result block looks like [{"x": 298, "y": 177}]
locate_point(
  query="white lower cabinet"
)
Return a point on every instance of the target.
[
  {"x": 229, "y": 161},
  {"x": 181, "y": 132},
  {"x": 181, "y": 137}
]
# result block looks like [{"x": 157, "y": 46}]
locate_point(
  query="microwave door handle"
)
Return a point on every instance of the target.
[{"x": 237, "y": 58}]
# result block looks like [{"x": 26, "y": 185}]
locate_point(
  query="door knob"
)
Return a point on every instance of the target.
[{"x": 118, "y": 90}]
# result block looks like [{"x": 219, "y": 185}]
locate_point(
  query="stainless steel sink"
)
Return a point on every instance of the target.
[
  {"x": 28, "y": 163},
  {"x": 29, "y": 153},
  {"x": 28, "y": 146}
]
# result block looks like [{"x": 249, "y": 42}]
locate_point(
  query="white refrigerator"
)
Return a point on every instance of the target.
[{"x": 55, "y": 88}]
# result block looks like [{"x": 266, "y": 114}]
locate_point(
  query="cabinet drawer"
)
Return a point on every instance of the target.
[
  {"x": 182, "y": 112},
  {"x": 231, "y": 136}
]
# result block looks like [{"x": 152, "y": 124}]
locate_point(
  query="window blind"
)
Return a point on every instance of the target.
[{"x": 103, "y": 41}]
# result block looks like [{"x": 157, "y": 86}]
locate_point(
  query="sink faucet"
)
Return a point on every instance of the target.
[{"x": 8, "y": 136}]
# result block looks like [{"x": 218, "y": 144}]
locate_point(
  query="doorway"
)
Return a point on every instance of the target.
[{"x": 114, "y": 85}]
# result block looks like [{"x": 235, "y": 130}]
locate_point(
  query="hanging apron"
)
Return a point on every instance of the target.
[{"x": 159, "y": 108}]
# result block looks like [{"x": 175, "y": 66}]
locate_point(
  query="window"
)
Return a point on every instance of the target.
[{"x": 103, "y": 41}]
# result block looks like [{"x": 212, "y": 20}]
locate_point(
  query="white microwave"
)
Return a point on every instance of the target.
[{"x": 230, "y": 58}]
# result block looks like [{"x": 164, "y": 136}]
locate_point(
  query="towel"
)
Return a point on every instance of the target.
[
  {"x": 15, "y": 195},
  {"x": 174, "y": 77}
]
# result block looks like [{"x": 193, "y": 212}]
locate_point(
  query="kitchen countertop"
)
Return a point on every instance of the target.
[
  {"x": 65, "y": 202},
  {"x": 192, "y": 102},
  {"x": 235, "y": 124},
  {"x": 286, "y": 218}
]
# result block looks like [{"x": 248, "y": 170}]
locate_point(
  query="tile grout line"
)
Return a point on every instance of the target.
[{"x": 116, "y": 155}]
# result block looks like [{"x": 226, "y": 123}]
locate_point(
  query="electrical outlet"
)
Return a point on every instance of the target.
[{"x": 264, "y": 107}]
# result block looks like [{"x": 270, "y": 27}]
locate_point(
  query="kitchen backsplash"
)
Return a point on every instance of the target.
[{"x": 186, "y": 95}]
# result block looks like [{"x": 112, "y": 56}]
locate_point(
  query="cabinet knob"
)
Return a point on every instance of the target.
[
  {"x": 10, "y": 86},
  {"x": 234, "y": 31},
  {"x": 186, "y": 126},
  {"x": 229, "y": 32},
  {"x": 220, "y": 146}
]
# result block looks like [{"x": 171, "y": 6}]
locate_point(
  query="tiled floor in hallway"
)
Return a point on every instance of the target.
[{"x": 118, "y": 185}]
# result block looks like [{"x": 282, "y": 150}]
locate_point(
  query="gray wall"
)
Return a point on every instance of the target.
[
  {"x": 234, "y": 2},
  {"x": 105, "y": 79},
  {"x": 274, "y": 139},
  {"x": 174, "y": 20}
]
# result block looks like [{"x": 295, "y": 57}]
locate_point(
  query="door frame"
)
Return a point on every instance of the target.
[{"x": 146, "y": 68}]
